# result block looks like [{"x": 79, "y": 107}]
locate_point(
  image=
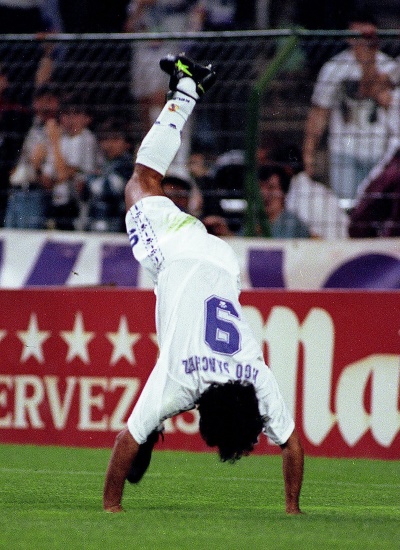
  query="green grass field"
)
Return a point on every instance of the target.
[{"x": 50, "y": 498}]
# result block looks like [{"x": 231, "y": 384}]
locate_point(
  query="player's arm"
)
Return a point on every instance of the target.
[
  {"x": 374, "y": 84},
  {"x": 293, "y": 466},
  {"x": 315, "y": 126},
  {"x": 63, "y": 171},
  {"x": 124, "y": 451}
]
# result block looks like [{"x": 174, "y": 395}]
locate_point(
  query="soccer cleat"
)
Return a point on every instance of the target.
[
  {"x": 180, "y": 66},
  {"x": 142, "y": 459}
]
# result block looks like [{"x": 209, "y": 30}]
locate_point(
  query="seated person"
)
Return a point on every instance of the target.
[
  {"x": 377, "y": 210},
  {"x": 27, "y": 206},
  {"x": 318, "y": 207},
  {"x": 104, "y": 193},
  {"x": 314, "y": 203},
  {"x": 274, "y": 183},
  {"x": 68, "y": 157},
  {"x": 15, "y": 119}
]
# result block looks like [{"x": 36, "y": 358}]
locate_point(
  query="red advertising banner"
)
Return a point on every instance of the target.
[{"x": 74, "y": 362}]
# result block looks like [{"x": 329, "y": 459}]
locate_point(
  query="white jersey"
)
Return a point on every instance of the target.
[{"x": 203, "y": 337}]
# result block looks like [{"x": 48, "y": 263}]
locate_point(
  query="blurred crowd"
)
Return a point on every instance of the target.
[{"x": 61, "y": 167}]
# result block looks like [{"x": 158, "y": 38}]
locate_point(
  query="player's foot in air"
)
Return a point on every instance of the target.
[{"x": 180, "y": 66}]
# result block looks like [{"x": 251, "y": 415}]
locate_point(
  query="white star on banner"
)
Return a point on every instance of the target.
[
  {"x": 77, "y": 340},
  {"x": 32, "y": 340},
  {"x": 123, "y": 342}
]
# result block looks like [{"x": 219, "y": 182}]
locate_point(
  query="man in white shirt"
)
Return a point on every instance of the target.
[
  {"x": 208, "y": 356},
  {"x": 357, "y": 124}
]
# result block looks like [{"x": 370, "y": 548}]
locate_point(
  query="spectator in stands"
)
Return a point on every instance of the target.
[
  {"x": 21, "y": 60},
  {"x": 357, "y": 124},
  {"x": 148, "y": 83},
  {"x": 314, "y": 203},
  {"x": 156, "y": 16},
  {"x": 14, "y": 123},
  {"x": 104, "y": 193},
  {"x": 219, "y": 15},
  {"x": 27, "y": 205},
  {"x": 69, "y": 155},
  {"x": 102, "y": 66},
  {"x": 318, "y": 207},
  {"x": 377, "y": 209},
  {"x": 274, "y": 183}
]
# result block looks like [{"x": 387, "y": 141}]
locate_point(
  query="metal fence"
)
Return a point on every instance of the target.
[{"x": 102, "y": 73}]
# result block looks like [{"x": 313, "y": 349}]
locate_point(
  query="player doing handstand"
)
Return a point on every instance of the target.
[{"x": 208, "y": 356}]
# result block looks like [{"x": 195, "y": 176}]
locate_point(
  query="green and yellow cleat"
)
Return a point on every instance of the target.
[{"x": 180, "y": 66}]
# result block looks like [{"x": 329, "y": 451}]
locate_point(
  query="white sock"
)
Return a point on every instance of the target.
[
  {"x": 188, "y": 86},
  {"x": 160, "y": 145}
]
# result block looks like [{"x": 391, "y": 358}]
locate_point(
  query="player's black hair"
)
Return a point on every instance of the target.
[{"x": 230, "y": 419}]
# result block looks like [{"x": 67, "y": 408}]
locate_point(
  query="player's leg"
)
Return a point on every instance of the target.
[{"x": 188, "y": 82}]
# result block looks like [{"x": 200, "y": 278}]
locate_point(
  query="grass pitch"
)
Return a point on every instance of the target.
[{"x": 50, "y": 498}]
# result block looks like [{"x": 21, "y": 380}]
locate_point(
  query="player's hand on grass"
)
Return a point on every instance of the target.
[
  {"x": 114, "y": 509},
  {"x": 294, "y": 511}
]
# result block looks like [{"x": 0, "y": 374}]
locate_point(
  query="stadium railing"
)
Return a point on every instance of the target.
[{"x": 237, "y": 114}]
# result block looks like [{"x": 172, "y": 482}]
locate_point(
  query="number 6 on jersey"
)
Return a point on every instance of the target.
[{"x": 221, "y": 334}]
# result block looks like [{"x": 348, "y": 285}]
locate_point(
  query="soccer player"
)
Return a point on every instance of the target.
[{"x": 208, "y": 356}]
